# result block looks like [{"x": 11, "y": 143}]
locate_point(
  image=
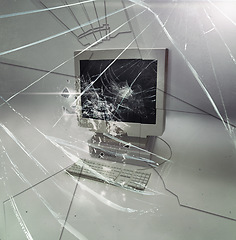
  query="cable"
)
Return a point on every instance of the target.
[
  {"x": 168, "y": 147},
  {"x": 164, "y": 161}
]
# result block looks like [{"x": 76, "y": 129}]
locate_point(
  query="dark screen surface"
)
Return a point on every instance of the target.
[{"x": 123, "y": 90}]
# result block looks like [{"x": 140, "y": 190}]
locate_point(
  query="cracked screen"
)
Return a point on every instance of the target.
[
  {"x": 63, "y": 181},
  {"x": 123, "y": 93}
]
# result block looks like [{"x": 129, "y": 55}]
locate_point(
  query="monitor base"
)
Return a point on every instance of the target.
[{"x": 123, "y": 149}]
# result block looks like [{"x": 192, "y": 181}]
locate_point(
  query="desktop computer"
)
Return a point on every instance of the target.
[{"x": 120, "y": 96}]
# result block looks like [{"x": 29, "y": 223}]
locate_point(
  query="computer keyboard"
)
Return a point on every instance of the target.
[{"x": 115, "y": 175}]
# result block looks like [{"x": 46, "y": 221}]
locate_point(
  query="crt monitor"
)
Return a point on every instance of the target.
[{"x": 121, "y": 92}]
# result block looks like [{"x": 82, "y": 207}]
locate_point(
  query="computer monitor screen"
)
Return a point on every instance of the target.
[
  {"x": 125, "y": 92},
  {"x": 125, "y": 89}
]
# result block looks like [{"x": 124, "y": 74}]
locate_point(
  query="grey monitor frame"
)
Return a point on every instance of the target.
[{"x": 131, "y": 129}]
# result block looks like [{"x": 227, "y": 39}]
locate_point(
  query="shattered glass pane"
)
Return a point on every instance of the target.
[
  {"x": 190, "y": 168},
  {"x": 123, "y": 93}
]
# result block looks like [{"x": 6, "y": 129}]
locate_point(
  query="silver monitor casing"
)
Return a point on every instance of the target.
[{"x": 121, "y": 128}]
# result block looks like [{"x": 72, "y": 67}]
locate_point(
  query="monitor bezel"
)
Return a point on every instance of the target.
[{"x": 129, "y": 128}]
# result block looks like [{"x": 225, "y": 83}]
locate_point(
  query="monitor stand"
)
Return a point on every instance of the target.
[{"x": 123, "y": 149}]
